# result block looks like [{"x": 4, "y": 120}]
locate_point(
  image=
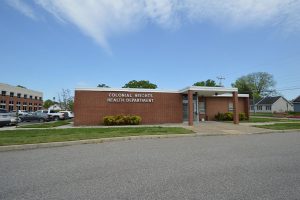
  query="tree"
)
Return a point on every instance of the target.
[
  {"x": 140, "y": 84},
  {"x": 103, "y": 85},
  {"x": 20, "y": 86},
  {"x": 207, "y": 83},
  {"x": 66, "y": 100},
  {"x": 256, "y": 84},
  {"x": 48, "y": 103}
]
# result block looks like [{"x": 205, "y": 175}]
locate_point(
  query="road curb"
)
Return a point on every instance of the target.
[
  {"x": 101, "y": 140},
  {"x": 89, "y": 141},
  {"x": 278, "y": 131}
]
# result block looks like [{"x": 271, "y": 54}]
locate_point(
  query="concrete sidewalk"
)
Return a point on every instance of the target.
[
  {"x": 223, "y": 128},
  {"x": 201, "y": 128}
]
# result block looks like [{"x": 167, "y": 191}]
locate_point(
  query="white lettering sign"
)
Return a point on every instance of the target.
[{"x": 130, "y": 98}]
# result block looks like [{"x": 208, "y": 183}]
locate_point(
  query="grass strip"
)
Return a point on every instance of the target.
[
  {"x": 261, "y": 120},
  {"x": 280, "y": 126},
  {"x": 46, "y": 124},
  {"x": 34, "y": 136}
]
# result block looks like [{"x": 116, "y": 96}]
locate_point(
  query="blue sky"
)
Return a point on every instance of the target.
[{"x": 49, "y": 45}]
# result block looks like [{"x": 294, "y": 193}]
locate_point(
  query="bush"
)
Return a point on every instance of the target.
[
  {"x": 219, "y": 116},
  {"x": 122, "y": 120},
  {"x": 228, "y": 116},
  {"x": 242, "y": 116}
]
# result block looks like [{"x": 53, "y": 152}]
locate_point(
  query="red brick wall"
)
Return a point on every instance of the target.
[
  {"x": 15, "y": 99},
  {"x": 220, "y": 104},
  {"x": 91, "y": 106}
]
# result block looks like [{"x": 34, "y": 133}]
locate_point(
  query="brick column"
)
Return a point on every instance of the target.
[
  {"x": 247, "y": 107},
  {"x": 235, "y": 101},
  {"x": 191, "y": 107}
]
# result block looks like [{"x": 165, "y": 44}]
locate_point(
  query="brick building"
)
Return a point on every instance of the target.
[
  {"x": 192, "y": 104},
  {"x": 14, "y": 98}
]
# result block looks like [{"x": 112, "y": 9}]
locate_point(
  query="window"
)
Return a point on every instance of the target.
[
  {"x": 35, "y": 98},
  {"x": 3, "y": 102},
  {"x": 259, "y": 107},
  {"x": 19, "y": 95},
  {"x": 30, "y": 97},
  {"x": 11, "y": 94},
  {"x": 18, "y": 102},
  {"x": 230, "y": 107},
  {"x": 201, "y": 107},
  {"x": 40, "y": 98},
  {"x": 10, "y": 108},
  {"x": 252, "y": 108},
  {"x": 11, "y": 102},
  {"x": 2, "y": 106},
  {"x": 268, "y": 108},
  {"x": 25, "y": 96},
  {"x": 3, "y": 93},
  {"x": 24, "y": 103}
]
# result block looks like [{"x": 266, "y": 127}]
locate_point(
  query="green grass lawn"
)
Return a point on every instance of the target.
[
  {"x": 47, "y": 124},
  {"x": 261, "y": 120},
  {"x": 34, "y": 136},
  {"x": 281, "y": 126},
  {"x": 262, "y": 114}
]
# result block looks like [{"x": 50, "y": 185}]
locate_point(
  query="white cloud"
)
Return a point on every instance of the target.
[
  {"x": 102, "y": 19},
  {"x": 22, "y": 7}
]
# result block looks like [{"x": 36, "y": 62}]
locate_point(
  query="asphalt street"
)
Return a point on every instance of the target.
[{"x": 206, "y": 167}]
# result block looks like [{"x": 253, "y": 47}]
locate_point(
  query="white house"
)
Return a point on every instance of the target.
[
  {"x": 273, "y": 104},
  {"x": 55, "y": 107}
]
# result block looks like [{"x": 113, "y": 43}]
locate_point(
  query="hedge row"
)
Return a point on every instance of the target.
[
  {"x": 228, "y": 116},
  {"x": 122, "y": 120}
]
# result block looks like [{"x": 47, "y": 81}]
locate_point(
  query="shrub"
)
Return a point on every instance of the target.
[
  {"x": 228, "y": 116},
  {"x": 122, "y": 120},
  {"x": 219, "y": 116},
  {"x": 242, "y": 116}
]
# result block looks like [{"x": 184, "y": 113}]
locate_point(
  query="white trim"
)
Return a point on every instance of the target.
[
  {"x": 125, "y": 90},
  {"x": 208, "y": 89},
  {"x": 193, "y": 88},
  {"x": 230, "y": 95}
]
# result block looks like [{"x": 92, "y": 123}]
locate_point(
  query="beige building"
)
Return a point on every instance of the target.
[{"x": 17, "y": 98}]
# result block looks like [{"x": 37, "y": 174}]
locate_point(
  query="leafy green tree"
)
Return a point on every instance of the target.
[
  {"x": 140, "y": 84},
  {"x": 103, "y": 85},
  {"x": 21, "y": 86},
  {"x": 207, "y": 83},
  {"x": 48, "y": 103},
  {"x": 256, "y": 84}
]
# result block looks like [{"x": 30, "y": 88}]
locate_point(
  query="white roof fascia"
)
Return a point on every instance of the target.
[
  {"x": 230, "y": 95},
  {"x": 125, "y": 90},
  {"x": 209, "y": 89},
  {"x": 193, "y": 88}
]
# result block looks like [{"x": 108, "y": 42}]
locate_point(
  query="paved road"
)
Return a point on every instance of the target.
[{"x": 212, "y": 167}]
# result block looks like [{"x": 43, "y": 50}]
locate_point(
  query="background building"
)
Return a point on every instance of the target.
[
  {"x": 18, "y": 98},
  {"x": 272, "y": 104},
  {"x": 296, "y": 104}
]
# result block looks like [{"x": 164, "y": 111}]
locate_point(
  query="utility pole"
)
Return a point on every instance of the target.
[{"x": 220, "y": 78}]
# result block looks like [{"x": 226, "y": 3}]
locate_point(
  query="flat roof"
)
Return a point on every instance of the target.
[
  {"x": 206, "y": 91},
  {"x": 16, "y": 89}
]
